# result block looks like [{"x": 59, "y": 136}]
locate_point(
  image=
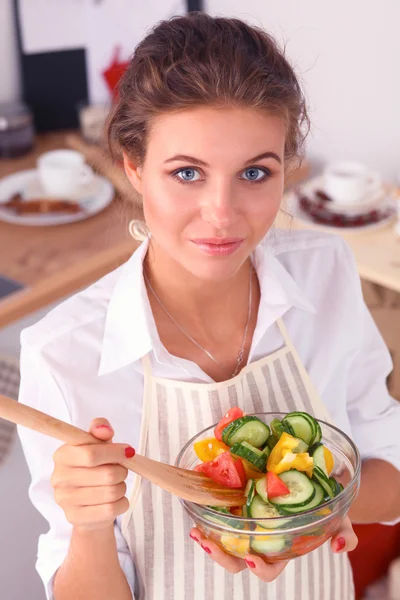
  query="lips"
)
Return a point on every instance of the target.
[
  {"x": 218, "y": 241},
  {"x": 218, "y": 246}
]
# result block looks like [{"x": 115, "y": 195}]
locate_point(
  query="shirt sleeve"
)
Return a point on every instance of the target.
[
  {"x": 373, "y": 414},
  {"x": 39, "y": 389}
]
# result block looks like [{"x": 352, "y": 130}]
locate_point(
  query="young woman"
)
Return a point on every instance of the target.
[{"x": 214, "y": 309}]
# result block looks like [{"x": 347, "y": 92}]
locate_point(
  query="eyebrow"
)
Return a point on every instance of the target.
[{"x": 201, "y": 163}]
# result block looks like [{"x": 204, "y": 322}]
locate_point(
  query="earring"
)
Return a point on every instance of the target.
[{"x": 138, "y": 230}]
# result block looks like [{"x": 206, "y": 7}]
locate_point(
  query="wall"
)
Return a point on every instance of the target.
[{"x": 348, "y": 54}]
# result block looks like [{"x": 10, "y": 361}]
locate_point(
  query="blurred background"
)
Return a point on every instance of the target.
[{"x": 60, "y": 62}]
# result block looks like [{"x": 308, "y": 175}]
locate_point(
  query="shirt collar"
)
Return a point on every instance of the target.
[
  {"x": 127, "y": 330},
  {"x": 130, "y": 331},
  {"x": 277, "y": 286}
]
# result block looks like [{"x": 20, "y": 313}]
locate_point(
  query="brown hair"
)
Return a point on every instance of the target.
[{"x": 199, "y": 60}]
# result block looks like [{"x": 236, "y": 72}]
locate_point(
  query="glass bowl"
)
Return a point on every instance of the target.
[{"x": 289, "y": 536}]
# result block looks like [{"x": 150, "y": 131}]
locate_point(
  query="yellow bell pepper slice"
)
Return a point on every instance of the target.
[
  {"x": 301, "y": 461},
  {"x": 282, "y": 457},
  {"x": 209, "y": 448},
  {"x": 329, "y": 460},
  {"x": 235, "y": 544}
]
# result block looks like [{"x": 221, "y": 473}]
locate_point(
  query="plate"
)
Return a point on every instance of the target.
[
  {"x": 369, "y": 202},
  {"x": 93, "y": 198},
  {"x": 293, "y": 205}
]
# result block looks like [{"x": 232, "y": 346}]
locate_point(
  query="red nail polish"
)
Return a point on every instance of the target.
[
  {"x": 129, "y": 452},
  {"x": 206, "y": 549},
  {"x": 250, "y": 563},
  {"x": 193, "y": 537},
  {"x": 103, "y": 427},
  {"x": 340, "y": 543}
]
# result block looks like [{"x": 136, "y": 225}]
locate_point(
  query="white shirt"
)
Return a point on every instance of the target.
[{"x": 83, "y": 361}]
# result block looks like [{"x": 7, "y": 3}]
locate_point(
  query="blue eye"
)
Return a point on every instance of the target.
[
  {"x": 255, "y": 174},
  {"x": 188, "y": 175}
]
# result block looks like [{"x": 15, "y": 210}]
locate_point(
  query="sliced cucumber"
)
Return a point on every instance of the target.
[
  {"x": 261, "y": 488},
  {"x": 224, "y": 518},
  {"x": 301, "y": 446},
  {"x": 276, "y": 429},
  {"x": 268, "y": 544},
  {"x": 317, "y": 452},
  {"x": 249, "y": 492},
  {"x": 320, "y": 477},
  {"x": 316, "y": 501},
  {"x": 301, "y": 490},
  {"x": 318, "y": 435},
  {"x": 266, "y": 450},
  {"x": 246, "y": 429},
  {"x": 303, "y": 426},
  {"x": 221, "y": 509},
  {"x": 271, "y": 442},
  {"x": 263, "y": 510},
  {"x": 336, "y": 486},
  {"x": 257, "y": 458}
]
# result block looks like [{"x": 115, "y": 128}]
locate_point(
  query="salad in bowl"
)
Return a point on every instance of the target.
[{"x": 291, "y": 467}]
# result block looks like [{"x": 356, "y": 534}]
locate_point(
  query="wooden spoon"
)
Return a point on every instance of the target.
[{"x": 186, "y": 484}]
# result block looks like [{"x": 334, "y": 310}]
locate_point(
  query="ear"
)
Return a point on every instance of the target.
[{"x": 133, "y": 173}]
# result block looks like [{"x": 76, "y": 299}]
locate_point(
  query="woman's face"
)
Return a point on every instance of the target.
[{"x": 212, "y": 183}]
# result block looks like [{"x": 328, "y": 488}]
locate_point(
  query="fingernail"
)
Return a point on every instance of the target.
[
  {"x": 103, "y": 427},
  {"x": 129, "y": 452},
  {"x": 193, "y": 537},
  {"x": 250, "y": 563},
  {"x": 340, "y": 543},
  {"x": 206, "y": 549}
]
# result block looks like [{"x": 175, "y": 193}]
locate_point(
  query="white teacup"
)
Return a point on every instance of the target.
[
  {"x": 61, "y": 172},
  {"x": 350, "y": 182}
]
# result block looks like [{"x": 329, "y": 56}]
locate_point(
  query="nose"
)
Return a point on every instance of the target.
[{"x": 218, "y": 206}]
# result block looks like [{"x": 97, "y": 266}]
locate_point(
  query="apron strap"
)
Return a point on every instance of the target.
[
  {"x": 147, "y": 370},
  {"x": 285, "y": 335},
  {"x": 312, "y": 392}
]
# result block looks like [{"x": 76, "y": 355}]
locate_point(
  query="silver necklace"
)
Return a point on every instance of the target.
[{"x": 239, "y": 359}]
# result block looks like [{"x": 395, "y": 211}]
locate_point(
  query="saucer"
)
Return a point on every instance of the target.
[
  {"x": 314, "y": 190},
  {"x": 91, "y": 198},
  {"x": 316, "y": 214}
]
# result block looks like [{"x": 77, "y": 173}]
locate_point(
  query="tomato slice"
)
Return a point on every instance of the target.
[
  {"x": 275, "y": 486},
  {"x": 231, "y": 415},
  {"x": 199, "y": 468},
  {"x": 237, "y": 511},
  {"x": 225, "y": 471},
  {"x": 241, "y": 471}
]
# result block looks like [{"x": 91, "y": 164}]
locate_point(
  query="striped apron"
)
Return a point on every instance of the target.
[{"x": 169, "y": 565}]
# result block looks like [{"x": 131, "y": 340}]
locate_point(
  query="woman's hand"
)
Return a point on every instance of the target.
[
  {"x": 265, "y": 571},
  {"x": 88, "y": 482},
  {"x": 344, "y": 540}
]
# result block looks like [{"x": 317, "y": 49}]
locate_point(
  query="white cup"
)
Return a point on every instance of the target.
[
  {"x": 61, "y": 172},
  {"x": 350, "y": 182}
]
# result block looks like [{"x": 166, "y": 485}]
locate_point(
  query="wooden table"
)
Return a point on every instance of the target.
[
  {"x": 377, "y": 252},
  {"x": 56, "y": 261}
]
